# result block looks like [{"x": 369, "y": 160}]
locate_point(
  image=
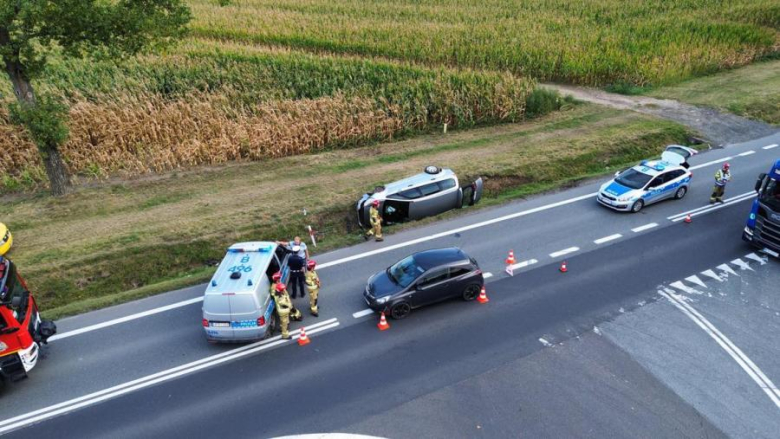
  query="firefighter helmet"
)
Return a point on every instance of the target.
[
  {"x": 277, "y": 276},
  {"x": 280, "y": 287},
  {"x": 375, "y": 203},
  {"x": 6, "y": 239},
  {"x": 311, "y": 264}
]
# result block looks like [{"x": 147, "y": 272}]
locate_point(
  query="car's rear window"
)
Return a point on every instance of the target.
[{"x": 633, "y": 179}]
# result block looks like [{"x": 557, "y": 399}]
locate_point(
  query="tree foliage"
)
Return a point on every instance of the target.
[{"x": 31, "y": 31}]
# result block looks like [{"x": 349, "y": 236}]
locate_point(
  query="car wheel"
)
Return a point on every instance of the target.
[
  {"x": 680, "y": 192},
  {"x": 471, "y": 292},
  {"x": 637, "y": 206},
  {"x": 400, "y": 310}
]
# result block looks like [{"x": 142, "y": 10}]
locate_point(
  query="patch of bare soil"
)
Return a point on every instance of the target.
[{"x": 715, "y": 127}]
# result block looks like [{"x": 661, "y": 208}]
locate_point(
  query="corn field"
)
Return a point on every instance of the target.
[{"x": 268, "y": 78}]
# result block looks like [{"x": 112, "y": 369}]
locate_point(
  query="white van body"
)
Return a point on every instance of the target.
[{"x": 237, "y": 304}]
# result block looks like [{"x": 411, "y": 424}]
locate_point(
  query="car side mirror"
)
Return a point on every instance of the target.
[
  {"x": 16, "y": 302},
  {"x": 617, "y": 174},
  {"x": 760, "y": 181}
]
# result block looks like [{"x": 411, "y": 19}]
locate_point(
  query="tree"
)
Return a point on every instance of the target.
[{"x": 31, "y": 31}]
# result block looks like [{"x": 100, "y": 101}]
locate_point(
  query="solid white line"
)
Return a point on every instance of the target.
[
  {"x": 608, "y": 238},
  {"x": 742, "y": 360},
  {"x": 774, "y": 145},
  {"x": 487, "y": 275},
  {"x": 715, "y": 207},
  {"x": 73, "y": 404},
  {"x": 458, "y": 230},
  {"x": 125, "y": 319},
  {"x": 565, "y": 251},
  {"x": 711, "y": 163},
  {"x": 363, "y": 313},
  {"x": 746, "y": 153},
  {"x": 643, "y": 228},
  {"x": 708, "y": 206},
  {"x": 524, "y": 264}
]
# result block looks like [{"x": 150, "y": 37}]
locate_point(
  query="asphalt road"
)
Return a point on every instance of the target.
[
  {"x": 536, "y": 299},
  {"x": 455, "y": 370}
]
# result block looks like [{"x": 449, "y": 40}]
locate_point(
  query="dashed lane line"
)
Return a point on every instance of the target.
[
  {"x": 742, "y": 360},
  {"x": 746, "y": 153},
  {"x": 645, "y": 227},
  {"x": 774, "y": 145},
  {"x": 565, "y": 251},
  {"x": 704, "y": 165},
  {"x": 608, "y": 238},
  {"x": 708, "y": 206}
]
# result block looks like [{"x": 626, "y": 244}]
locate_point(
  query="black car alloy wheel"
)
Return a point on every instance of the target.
[
  {"x": 471, "y": 292},
  {"x": 400, "y": 310}
]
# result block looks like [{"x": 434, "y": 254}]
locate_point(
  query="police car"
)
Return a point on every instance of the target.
[{"x": 649, "y": 182}]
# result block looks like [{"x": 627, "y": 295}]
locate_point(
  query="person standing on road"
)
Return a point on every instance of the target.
[
  {"x": 303, "y": 250},
  {"x": 297, "y": 278},
  {"x": 722, "y": 177},
  {"x": 286, "y": 309},
  {"x": 376, "y": 222},
  {"x": 313, "y": 284}
]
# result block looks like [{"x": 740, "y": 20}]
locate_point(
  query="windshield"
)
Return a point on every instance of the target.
[
  {"x": 633, "y": 179},
  {"x": 771, "y": 194},
  {"x": 405, "y": 271}
]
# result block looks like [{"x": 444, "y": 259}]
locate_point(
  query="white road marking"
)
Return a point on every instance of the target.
[
  {"x": 742, "y": 360},
  {"x": 125, "y": 319},
  {"x": 643, "y": 228},
  {"x": 746, "y": 153},
  {"x": 159, "y": 377},
  {"x": 608, "y": 238},
  {"x": 741, "y": 264},
  {"x": 770, "y": 252},
  {"x": 363, "y": 313},
  {"x": 756, "y": 258},
  {"x": 457, "y": 230},
  {"x": 682, "y": 287},
  {"x": 565, "y": 251},
  {"x": 695, "y": 280},
  {"x": 523, "y": 264},
  {"x": 711, "y": 163},
  {"x": 715, "y": 207},
  {"x": 545, "y": 342},
  {"x": 708, "y": 206},
  {"x": 487, "y": 275},
  {"x": 712, "y": 274},
  {"x": 774, "y": 145},
  {"x": 727, "y": 269}
]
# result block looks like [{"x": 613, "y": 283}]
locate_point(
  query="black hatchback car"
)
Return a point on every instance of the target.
[{"x": 422, "y": 279}]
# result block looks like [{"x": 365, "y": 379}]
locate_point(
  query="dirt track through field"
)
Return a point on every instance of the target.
[{"x": 716, "y": 127}]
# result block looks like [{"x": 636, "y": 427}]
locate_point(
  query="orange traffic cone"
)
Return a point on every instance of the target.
[
  {"x": 563, "y": 267},
  {"x": 303, "y": 340},
  {"x": 382, "y": 325},
  {"x": 511, "y": 258},
  {"x": 483, "y": 296},
  {"x": 688, "y": 219}
]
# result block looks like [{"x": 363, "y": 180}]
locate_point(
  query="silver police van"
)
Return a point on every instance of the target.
[
  {"x": 434, "y": 191},
  {"x": 237, "y": 304}
]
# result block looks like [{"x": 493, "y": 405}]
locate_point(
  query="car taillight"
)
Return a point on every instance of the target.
[
  {"x": 261, "y": 321},
  {"x": 205, "y": 323}
]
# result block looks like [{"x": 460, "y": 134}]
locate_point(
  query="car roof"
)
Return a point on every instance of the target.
[
  {"x": 441, "y": 256},
  {"x": 417, "y": 180},
  {"x": 251, "y": 259},
  {"x": 655, "y": 167}
]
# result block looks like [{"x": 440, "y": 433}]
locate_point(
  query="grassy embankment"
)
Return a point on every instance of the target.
[
  {"x": 752, "y": 91},
  {"x": 123, "y": 240}
]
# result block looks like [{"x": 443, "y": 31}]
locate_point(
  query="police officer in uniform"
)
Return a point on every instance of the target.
[
  {"x": 297, "y": 278},
  {"x": 376, "y": 222},
  {"x": 313, "y": 284},
  {"x": 722, "y": 177}
]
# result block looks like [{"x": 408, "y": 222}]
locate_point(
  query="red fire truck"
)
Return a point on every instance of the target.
[{"x": 21, "y": 329}]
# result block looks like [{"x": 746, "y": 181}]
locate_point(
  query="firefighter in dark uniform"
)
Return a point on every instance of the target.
[{"x": 297, "y": 278}]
